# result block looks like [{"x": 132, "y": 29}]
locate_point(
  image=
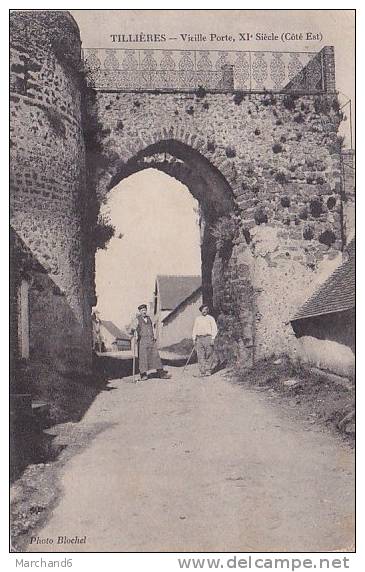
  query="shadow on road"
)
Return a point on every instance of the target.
[
  {"x": 117, "y": 367},
  {"x": 111, "y": 367},
  {"x": 30, "y": 445}
]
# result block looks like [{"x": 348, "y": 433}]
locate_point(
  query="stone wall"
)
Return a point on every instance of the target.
[
  {"x": 271, "y": 160},
  {"x": 348, "y": 170},
  {"x": 48, "y": 186},
  {"x": 279, "y": 155}
]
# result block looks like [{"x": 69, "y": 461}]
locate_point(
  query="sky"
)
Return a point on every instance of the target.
[
  {"x": 154, "y": 206},
  {"x": 155, "y": 214}
]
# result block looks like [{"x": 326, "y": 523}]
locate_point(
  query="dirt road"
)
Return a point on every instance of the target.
[{"x": 194, "y": 464}]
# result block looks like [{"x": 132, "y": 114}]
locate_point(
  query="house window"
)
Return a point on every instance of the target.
[{"x": 23, "y": 319}]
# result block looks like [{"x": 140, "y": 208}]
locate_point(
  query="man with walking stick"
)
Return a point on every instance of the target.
[
  {"x": 204, "y": 333},
  {"x": 148, "y": 356}
]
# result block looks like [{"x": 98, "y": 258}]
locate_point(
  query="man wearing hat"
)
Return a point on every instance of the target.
[
  {"x": 148, "y": 355},
  {"x": 204, "y": 333}
]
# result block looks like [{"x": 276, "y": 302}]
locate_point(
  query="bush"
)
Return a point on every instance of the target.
[
  {"x": 225, "y": 228},
  {"x": 102, "y": 233},
  {"x": 225, "y": 231}
]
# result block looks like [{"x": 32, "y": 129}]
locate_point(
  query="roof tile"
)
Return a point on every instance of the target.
[
  {"x": 336, "y": 294},
  {"x": 175, "y": 289}
]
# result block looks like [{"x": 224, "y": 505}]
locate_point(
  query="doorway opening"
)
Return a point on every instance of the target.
[{"x": 154, "y": 256}]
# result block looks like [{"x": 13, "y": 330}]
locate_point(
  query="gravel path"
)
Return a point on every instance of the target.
[{"x": 195, "y": 464}]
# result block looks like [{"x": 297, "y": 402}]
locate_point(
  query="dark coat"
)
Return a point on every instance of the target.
[{"x": 148, "y": 355}]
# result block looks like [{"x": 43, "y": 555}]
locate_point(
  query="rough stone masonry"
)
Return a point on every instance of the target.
[{"x": 271, "y": 162}]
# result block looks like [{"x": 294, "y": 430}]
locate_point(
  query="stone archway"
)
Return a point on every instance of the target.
[
  {"x": 278, "y": 163},
  {"x": 277, "y": 155},
  {"x": 206, "y": 183}
]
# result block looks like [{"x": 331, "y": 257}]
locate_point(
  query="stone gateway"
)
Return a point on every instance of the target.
[{"x": 265, "y": 166}]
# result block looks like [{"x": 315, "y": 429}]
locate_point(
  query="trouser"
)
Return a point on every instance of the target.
[
  {"x": 204, "y": 351},
  {"x": 148, "y": 356}
]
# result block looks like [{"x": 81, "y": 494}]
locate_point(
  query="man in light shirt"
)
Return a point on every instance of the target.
[{"x": 204, "y": 333}]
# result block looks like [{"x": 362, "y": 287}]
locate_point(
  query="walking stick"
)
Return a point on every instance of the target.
[
  {"x": 134, "y": 359},
  {"x": 189, "y": 358}
]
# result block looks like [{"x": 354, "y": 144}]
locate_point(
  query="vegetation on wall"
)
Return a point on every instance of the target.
[
  {"x": 225, "y": 231},
  {"x": 229, "y": 337},
  {"x": 103, "y": 231},
  {"x": 225, "y": 228}
]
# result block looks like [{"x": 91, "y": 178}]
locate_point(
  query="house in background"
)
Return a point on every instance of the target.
[
  {"x": 122, "y": 343},
  {"x": 113, "y": 339},
  {"x": 325, "y": 324},
  {"x": 175, "y": 306},
  {"x": 178, "y": 324}
]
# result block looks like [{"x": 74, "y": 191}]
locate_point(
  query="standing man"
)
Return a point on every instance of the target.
[
  {"x": 204, "y": 333},
  {"x": 148, "y": 355}
]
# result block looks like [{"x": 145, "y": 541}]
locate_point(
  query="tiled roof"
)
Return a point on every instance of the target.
[
  {"x": 114, "y": 330},
  {"x": 193, "y": 296},
  {"x": 336, "y": 294},
  {"x": 175, "y": 289}
]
